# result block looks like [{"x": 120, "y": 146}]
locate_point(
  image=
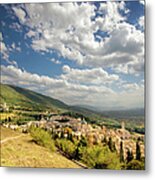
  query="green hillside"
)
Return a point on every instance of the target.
[
  {"x": 29, "y": 104},
  {"x": 16, "y": 96}
]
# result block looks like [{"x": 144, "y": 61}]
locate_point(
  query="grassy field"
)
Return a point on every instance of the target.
[
  {"x": 8, "y": 133},
  {"x": 23, "y": 152}
]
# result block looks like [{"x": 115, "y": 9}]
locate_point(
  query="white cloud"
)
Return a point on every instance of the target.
[
  {"x": 66, "y": 69},
  {"x": 95, "y": 76},
  {"x": 122, "y": 51},
  {"x": 69, "y": 29},
  {"x": 71, "y": 92},
  {"x": 131, "y": 86},
  {"x": 15, "y": 48},
  {"x": 17, "y": 76},
  {"x": 142, "y": 2},
  {"x": 20, "y": 13},
  {"x": 141, "y": 21},
  {"x": 58, "y": 88},
  {"x": 74, "y": 38},
  {"x": 112, "y": 15},
  {"x": 31, "y": 34},
  {"x": 4, "y": 49},
  {"x": 55, "y": 61}
]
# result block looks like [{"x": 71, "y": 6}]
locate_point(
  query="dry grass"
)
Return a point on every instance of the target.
[
  {"x": 23, "y": 152},
  {"x": 7, "y": 133}
]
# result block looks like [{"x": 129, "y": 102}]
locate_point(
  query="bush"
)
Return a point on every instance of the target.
[
  {"x": 79, "y": 147},
  {"x": 135, "y": 165},
  {"x": 100, "y": 158},
  {"x": 67, "y": 147},
  {"x": 42, "y": 138}
]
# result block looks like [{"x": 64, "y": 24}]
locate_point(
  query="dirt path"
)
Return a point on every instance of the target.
[{"x": 11, "y": 138}]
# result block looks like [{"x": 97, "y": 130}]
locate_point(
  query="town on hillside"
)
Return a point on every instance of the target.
[{"x": 118, "y": 139}]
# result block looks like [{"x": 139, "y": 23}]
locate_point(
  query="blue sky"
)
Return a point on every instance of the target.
[{"x": 80, "y": 53}]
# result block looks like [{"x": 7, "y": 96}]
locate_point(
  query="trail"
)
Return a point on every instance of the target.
[{"x": 11, "y": 138}]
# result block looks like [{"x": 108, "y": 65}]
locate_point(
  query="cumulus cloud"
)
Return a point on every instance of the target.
[
  {"x": 12, "y": 74},
  {"x": 66, "y": 69},
  {"x": 112, "y": 15},
  {"x": 31, "y": 34},
  {"x": 131, "y": 86},
  {"x": 74, "y": 38},
  {"x": 4, "y": 49},
  {"x": 88, "y": 76},
  {"x": 55, "y": 61},
  {"x": 73, "y": 92},
  {"x": 102, "y": 43},
  {"x": 58, "y": 88},
  {"x": 141, "y": 21},
  {"x": 20, "y": 13}
]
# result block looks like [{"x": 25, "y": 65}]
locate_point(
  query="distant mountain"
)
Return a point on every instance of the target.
[
  {"x": 128, "y": 113},
  {"x": 29, "y": 100},
  {"x": 18, "y": 96}
]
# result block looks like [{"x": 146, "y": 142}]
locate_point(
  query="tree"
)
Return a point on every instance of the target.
[
  {"x": 121, "y": 152},
  {"x": 9, "y": 119},
  {"x": 62, "y": 135},
  {"x": 100, "y": 157},
  {"x": 105, "y": 140},
  {"x": 129, "y": 156},
  {"x": 138, "y": 151},
  {"x": 111, "y": 145},
  {"x": 67, "y": 147},
  {"x": 82, "y": 143}
]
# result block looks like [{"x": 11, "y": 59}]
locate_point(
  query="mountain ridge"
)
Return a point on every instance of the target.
[{"x": 15, "y": 95}]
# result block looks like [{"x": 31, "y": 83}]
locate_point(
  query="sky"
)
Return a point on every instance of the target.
[{"x": 88, "y": 53}]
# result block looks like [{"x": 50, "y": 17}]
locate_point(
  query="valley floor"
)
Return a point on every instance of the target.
[{"x": 18, "y": 150}]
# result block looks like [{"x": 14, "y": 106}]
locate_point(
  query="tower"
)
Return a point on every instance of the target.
[{"x": 123, "y": 125}]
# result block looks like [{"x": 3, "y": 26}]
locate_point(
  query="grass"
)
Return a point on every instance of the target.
[
  {"x": 6, "y": 116},
  {"x": 23, "y": 152},
  {"x": 8, "y": 133}
]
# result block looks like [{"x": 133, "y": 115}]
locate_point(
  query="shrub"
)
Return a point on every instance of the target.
[
  {"x": 42, "y": 138},
  {"x": 100, "y": 157},
  {"x": 80, "y": 147},
  {"x": 135, "y": 165},
  {"x": 67, "y": 147}
]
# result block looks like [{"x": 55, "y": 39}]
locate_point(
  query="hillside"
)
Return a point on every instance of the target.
[
  {"x": 29, "y": 105},
  {"x": 121, "y": 114},
  {"x": 20, "y": 151},
  {"x": 14, "y": 95}
]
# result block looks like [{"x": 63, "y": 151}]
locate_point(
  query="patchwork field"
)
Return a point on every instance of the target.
[{"x": 19, "y": 150}]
